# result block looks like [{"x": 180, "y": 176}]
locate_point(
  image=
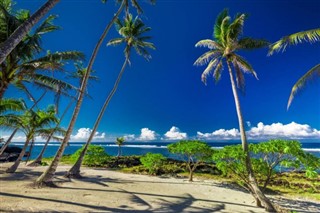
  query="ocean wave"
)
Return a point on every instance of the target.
[{"x": 311, "y": 149}]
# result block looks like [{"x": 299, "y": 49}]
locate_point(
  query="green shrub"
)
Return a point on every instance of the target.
[
  {"x": 95, "y": 156},
  {"x": 193, "y": 152},
  {"x": 152, "y": 162},
  {"x": 266, "y": 157}
]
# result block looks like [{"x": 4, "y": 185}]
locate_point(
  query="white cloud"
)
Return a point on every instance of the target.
[
  {"x": 84, "y": 133},
  {"x": 292, "y": 130},
  {"x": 220, "y": 134},
  {"x": 129, "y": 137},
  {"x": 175, "y": 134},
  {"x": 261, "y": 131},
  {"x": 248, "y": 124},
  {"x": 147, "y": 135}
]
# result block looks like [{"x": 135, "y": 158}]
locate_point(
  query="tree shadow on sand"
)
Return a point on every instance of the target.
[{"x": 181, "y": 205}]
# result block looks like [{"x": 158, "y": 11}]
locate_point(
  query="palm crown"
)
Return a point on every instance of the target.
[
  {"x": 24, "y": 65},
  {"x": 131, "y": 31},
  {"x": 226, "y": 43}
]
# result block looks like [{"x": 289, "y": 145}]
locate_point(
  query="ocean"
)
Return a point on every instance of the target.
[{"x": 138, "y": 148}]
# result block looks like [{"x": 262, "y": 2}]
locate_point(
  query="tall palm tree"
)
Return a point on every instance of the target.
[
  {"x": 32, "y": 123},
  {"x": 24, "y": 64},
  {"x": 15, "y": 38},
  {"x": 120, "y": 141},
  {"x": 79, "y": 74},
  {"x": 310, "y": 36},
  {"x": 131, "y": 31},
  {"x": 47, "y": 177},
  {"x": 223, "y": 49}
]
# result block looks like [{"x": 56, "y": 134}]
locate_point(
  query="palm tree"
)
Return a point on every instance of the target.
[
  {"x": 120, "y": 141},
  {"x": 16, "y": 37},
  {"x": 131, "y": 31},
  {"x": 23, "y": 65},
  {"x": 310, "y": 36},
  {"x": 32, "y": 123},
  {"x": 7, "y": 105},
  {"x": 223, "y": 49},
  {"x": 79, "y": 74},
  {"x": 47, "y": 176}
]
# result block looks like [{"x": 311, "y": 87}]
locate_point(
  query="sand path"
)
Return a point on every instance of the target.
[{"x": 103, "y": 190}]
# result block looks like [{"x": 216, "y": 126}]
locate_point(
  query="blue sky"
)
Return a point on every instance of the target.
[{"x": 164, "y": 99}]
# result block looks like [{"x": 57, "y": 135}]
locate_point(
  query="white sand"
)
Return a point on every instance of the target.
[{"x": 108, "y": 191}]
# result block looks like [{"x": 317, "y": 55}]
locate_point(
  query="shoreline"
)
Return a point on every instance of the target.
[{"x": 103, "y": 190}]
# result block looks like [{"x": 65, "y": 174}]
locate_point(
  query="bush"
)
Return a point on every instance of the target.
[
  {"x": 152, "y": 162},
  {"x": 95, "y": 156},
  {"x": 266, "y": 158},
  {"x": 193, "y": 151}
]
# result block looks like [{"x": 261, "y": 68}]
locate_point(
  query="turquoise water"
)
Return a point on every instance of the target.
[{"x": 139, "y": 148}]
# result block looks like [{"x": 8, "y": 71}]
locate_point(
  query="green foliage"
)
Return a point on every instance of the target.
[
  {"x": 153, "y": 162},
  {"x": 95, "y": 156},
  {"x": 266, "y": 157},
  {"x": 193, "y": 152},
  {"x": 197, "y": 150}
]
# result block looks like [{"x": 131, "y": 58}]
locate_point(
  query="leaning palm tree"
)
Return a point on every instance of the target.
[
  {"x": 78, "y": 74},
  {"x": 20, "y": 33},
  {"x": 310, "y": 36},
  {"x": 26, "y": 64},
  {"x": 7, "y": 106},
  {"x": 131, "y": 31},
  {"x": 120, "y": 141},
  {"x": 32, "y": 123},
  {"x": 223, "y": 49},
  {"x": 47, "y": 177}
]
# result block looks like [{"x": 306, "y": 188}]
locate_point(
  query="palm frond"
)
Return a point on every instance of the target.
[
  {"x": 239, "y": 76},
  {"x": 206, "y": 57},
  {"x": 310, "y": 36},
  {"x": 252, "y": 44},
  {"x": 236, "y": 28},
  {"x": 224, "y": 30},
  {"x": 10, "y": 104},
  {"x": 208, "y": 70},
  {"x": 315, "y": 71},
  {"x": 217, "y": 71},
  {"x": 209, "y": 44},
  {"x": 244, "y": 65},
  {"x": 116, "y": 41},
  {"x": 217, "y": 25}
]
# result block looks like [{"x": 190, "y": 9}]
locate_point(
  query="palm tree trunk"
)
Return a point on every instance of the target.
[
  {"x": 47, "y": 177},
  {"x": 118, "y": 151},
  {"x": 15, "y": 38},
  {"x": 8, "y": 141},
  {"x": 260, "y": 197},
  {"x": 3, "y": 87},
  {"x": 38, "y": 160},
  {"x": 16, "y": 164},
  {"x": 30, "y": 150},
  {"x": 75, "y": 170}
]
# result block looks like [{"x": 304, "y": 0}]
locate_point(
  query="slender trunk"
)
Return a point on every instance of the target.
[
  {"x": 47, "y": 177},
  {"x": 14, "y": 167},
  {"x": 75, "y": 170},
  {"x": 118, "y": 151},
  {"x": 8, "y": 141},
  {"x": 38, "y": 160},
  {"x": 260, "y": 197},
  {"x": 16, "y": 37},
  {"x": 191, "y": 175},
  {"x": 30, "y": 150}
]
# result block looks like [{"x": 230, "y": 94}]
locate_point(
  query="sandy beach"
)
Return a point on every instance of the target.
[{"x": 103, "y": 190}]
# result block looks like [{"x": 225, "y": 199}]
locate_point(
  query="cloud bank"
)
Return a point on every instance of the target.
[
  {"x": 147, "y": 135},
  {"x": 261, "y": 131}
]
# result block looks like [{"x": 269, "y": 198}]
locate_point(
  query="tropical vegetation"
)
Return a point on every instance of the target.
[{"x": 223, "y": 48}]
